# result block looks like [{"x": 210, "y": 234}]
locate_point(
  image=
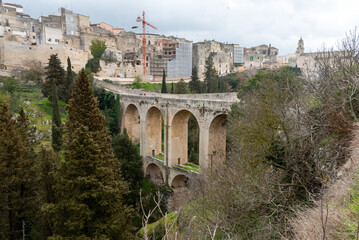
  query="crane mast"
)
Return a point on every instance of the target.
[{"x": 144, "y": 23}]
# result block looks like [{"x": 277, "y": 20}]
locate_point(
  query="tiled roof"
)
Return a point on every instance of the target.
[{"x": 14, "y": 5}]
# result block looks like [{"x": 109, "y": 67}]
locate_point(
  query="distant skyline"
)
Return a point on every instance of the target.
[{"x": 246, "y": 22}]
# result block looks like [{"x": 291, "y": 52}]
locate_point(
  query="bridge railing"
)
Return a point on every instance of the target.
[{"x": 223, "y": 97}]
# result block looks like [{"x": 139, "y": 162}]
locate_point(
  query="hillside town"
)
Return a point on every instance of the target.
[
  {"x": 134, "y": 130},
  {"x": 70, "y": 34}
]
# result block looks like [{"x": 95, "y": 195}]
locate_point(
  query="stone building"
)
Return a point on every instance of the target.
[
  {"x": 24, "y": 39},
  {"x": 17, "y": 26},
  {"x": 223, "y": 56},
  {"x": 108, "y": 27},
  {"x": 305, "y": 61},
  {"x": 262, "y": 56}
]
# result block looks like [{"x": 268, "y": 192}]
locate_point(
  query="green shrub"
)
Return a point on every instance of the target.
[{"x": 10, "y": 85}]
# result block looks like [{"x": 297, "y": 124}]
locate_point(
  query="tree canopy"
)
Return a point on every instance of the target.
[
  {"x": 54, "y": 74},
  {"x": 97, "y": 48},
  {"x": 94, "y": 208}
]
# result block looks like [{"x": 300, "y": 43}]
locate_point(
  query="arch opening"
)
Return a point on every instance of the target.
[
  {"x": 131, "y": 122},
  {"x": 180, "y": 181},
  {"x": 185, "y": 139},
  {"x": 154, "y": 174},
  {"x": 217, "y": 141},
  {"x": 154, "y": 133}
]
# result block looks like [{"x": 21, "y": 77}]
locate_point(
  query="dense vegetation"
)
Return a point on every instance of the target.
[{"x": 56, "y": 196}]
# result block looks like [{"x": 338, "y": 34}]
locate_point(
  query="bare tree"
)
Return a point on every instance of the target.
[
  {"x": 169, "y": 222},
  {"x": 34, "y": 70}
]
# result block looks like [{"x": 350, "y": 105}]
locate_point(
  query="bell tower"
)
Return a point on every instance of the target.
[{"x": 300, "y": 47}]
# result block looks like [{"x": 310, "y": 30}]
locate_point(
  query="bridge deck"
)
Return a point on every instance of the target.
[{"x": 229, "y": 97}]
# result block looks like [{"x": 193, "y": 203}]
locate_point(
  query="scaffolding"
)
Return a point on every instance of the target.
[{"x": 181, "y": 66}]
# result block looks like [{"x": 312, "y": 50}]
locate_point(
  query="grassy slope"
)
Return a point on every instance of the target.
[
  {"x": 189, "y": 166},
  {"x": 37, "y": 107}
]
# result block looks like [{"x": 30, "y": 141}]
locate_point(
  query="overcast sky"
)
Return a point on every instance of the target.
[{"x": 246, "y": 22}]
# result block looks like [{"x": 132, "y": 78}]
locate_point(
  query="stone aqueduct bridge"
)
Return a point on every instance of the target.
[{"x": 143, "y": 114}]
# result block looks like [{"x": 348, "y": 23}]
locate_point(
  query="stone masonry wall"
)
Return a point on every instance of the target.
[{"x": 15, "y": 55}]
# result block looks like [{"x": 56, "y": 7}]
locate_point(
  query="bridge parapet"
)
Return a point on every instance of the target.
[{"x": 230, "y": 97}]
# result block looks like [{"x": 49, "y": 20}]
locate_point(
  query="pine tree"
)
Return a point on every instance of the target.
[
  {"x": 195, "y": 84},
  {"x": 164, "y": 87},
  {"x": 131, "y": 164},
  {"x": 56, "y": 133},
  {"x": 54, "y": 73},
  {"x": 89, "y": 187},
  {"x": 69, "y": 80},
  {"x": 48, "y": 163},
  {"x": 16, "y": 171},
  {"x": 211, "y": 78},
  {"x": 29, "y": 186}
]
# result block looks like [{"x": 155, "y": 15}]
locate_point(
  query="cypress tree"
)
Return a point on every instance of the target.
[
  {"x": 54, "y": 73},
  {"x": 89, "y": 187},
  {"x": 56, "y": 133},
  {"x": 211, "y": 78},
  {"x": 172, "y": 88},
  {"x": 164, "y": 87},
  {"x": 16, "y": 171},
  {"x": 69, "y": 80},
  {"x": 195, "y": 84}
]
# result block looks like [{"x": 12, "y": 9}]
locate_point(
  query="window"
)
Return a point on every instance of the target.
[
  {"x": 33, "y": 28},
  {"x": 49, "y": 40},
  {"x": 57, "y": 40},
  {"x": 7, "y": 22},
  {"x": 33, "y": 37},
  {"x": 251, "y": 58}
]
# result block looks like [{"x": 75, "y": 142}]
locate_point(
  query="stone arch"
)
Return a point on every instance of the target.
[
  {"x": 154, "y": 173},
  {"x": 179, "y": 181},
  {"x": 217, "y": 140},
  {"x": 179, "y": 137},
  {"x": 153, "y": 132},
  {"x": 131, "y": 121}
]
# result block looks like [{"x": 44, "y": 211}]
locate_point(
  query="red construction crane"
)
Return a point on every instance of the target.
[{"x": 144, "y": 23}]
